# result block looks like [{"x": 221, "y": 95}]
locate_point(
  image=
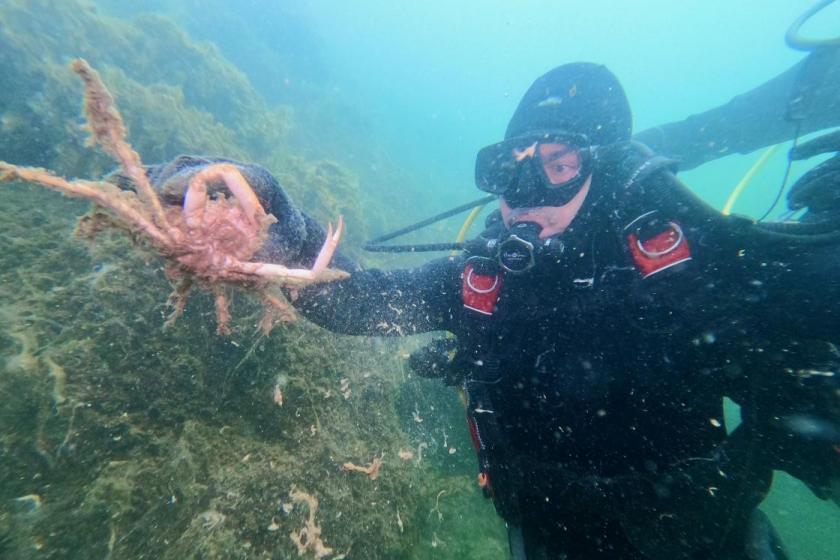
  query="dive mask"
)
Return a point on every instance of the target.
[{"x": 539, "y": 169}]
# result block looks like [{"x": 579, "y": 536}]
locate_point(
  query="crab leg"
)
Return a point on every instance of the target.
[
  {"x": 196, "y": 197},
  {"x": 290, "y": 276},
  {"x": 276, "y": 309},
  {"x": 109, "y": 131},
  {"x": 222, "y": 312},
  {"x": 97, "y": 192}
]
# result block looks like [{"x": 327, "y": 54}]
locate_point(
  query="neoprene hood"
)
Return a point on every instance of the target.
[{"x": 580, "y": 97}]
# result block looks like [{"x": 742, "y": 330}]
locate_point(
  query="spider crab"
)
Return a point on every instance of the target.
[{"x": 209, "y": 242}]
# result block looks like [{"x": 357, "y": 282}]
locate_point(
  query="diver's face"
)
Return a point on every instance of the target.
[
  {"x": 561, "y": 163},
  {"x": 541, "y": 168},
  {"x": 553, "y": 220}
]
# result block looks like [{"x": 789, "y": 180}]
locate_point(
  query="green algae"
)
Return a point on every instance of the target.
[{"x": 155, "y": 433}]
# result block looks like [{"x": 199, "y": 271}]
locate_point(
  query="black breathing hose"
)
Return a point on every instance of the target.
[{"x": 375, "y": 244}]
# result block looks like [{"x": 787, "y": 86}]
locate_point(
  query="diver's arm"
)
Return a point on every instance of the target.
[
  {"x": 807, "y": 93},
  {"x": 387, "y": 303},
  {"x": 370, "y": 302}
]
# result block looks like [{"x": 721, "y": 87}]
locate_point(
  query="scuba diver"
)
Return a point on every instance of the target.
[{"x": 598, "y": 322}]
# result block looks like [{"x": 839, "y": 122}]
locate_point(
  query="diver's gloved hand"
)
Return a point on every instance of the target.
[
  {"x": 818, "y": 190},
  {"x": 172, "y": 178},
  {"x": 438, "y": 360},
  {"x": 287, "y": 236},
  {"x": 294, "y": 240}
]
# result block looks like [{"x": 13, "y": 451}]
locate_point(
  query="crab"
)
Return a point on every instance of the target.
[{"x": 209, "y": 242}]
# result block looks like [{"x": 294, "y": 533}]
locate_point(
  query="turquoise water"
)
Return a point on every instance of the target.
[
  {"x": 402, "y": 95},
  {"x": 441, "y": 81},
  {"x": 435, "y": 83}
]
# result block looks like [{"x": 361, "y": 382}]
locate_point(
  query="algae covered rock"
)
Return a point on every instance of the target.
[{"x": 173, "y": 443}]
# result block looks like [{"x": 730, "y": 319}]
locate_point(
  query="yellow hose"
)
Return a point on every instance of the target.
[
  {"x": 742, "y": 184},
  {"x": 465, "y": 228}
]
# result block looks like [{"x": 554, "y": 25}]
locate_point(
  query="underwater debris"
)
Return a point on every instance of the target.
[
  {"x": 211, "y": 519},
  {"x": 420, "y": 447},
  {"x": 406, "y": 454},
  {"x": 208, "y": 242},
  {"x": 371, "y": 470},
  {"x": 28, "y": 504},
  {"x": 277, "y": 396},
  {"x": 59, "y": 377},
  {"x": 400, "y": 521},
  {"x": 345, "y": 388},
  {"x": 308, "y": 537},
  {"x": 436, "y": 509},
  {"x": 810, "y": 372}
]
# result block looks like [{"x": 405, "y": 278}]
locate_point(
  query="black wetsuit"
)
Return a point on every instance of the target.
[
  {"x": 601, "y": 392},
  {"x": 597, "y": 393},
  {"x": 803, "y": 99}
]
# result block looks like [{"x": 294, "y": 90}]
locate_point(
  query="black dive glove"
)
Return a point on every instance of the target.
[
  {"x": 294, "y": 240},
  {"x": 818, "y": 190},
  {"x": 439, "y": 360}
]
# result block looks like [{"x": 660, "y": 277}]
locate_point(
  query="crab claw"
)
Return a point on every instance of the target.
[
  {"x": 299, "y": 276},
  {"x": 329, "y": 247}
]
